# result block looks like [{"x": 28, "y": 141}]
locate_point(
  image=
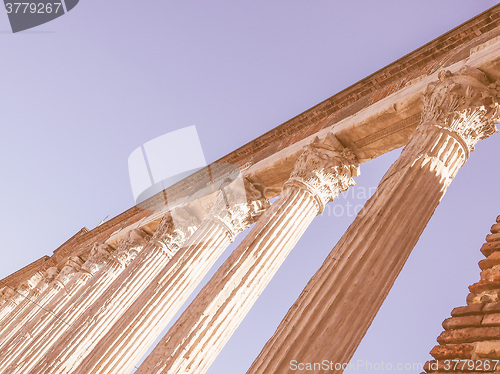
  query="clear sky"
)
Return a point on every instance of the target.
[{"x": 79, "y": 94}]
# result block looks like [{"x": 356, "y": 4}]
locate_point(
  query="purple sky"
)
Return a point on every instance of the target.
[{"x": 79, "y": 94}]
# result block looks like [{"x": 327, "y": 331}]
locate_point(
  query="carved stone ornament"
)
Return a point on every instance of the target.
[
  {"x": 49, "y": 276},
  {"x": 21, "y": 293},
  {"x": 72, "y": 266},
  {"x": 134, "y": 241},
  {"x": 7, "y": 293},
  {"x": 466, "y": 103},
  {"x": 237, "y": 206},
  {"x": 99, "y": 255},
  {"x": 325, "y": 168},
  {"x": 174, "y": 229}
]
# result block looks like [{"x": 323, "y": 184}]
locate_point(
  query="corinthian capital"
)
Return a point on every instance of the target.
[
  {"x": 325, "y": 168},
  {"x": 99, "y": 255},
  {"x": 466, "y": 103},
  {"x": 129, "y": 247},
  {"x": 73, "y": 265},
  {"x": 237, "y": 206},
  {"x": 21, "y": 293},
  {"x": 48, "y": 277},
  {"x": 6, "y": 294},
  {"x": 174, "y": 229}
]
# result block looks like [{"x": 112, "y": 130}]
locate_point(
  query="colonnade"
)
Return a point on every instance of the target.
[{"x": 102, "y": 313}]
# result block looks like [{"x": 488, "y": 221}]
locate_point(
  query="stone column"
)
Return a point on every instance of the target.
[
  {"x": 324, "y": 169},
  {"x": 334, "y": 311},
  {"x": 59, "y": 287},
  {"x": 74, "y": 293},
  {"x": 6, "y": 293},
  {"x": 93, "y": 321},
  {"x": 39, "y": 282},
  {"x": 55, "y": 298},
  {"x": 38, "y": 297},
  {"x": 17, "y": 297},
  {"x": 136, "y": 331}
]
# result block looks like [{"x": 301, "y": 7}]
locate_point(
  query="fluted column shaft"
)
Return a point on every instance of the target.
[
  {"x": 337, "y": 306},
  {"x": 39, "y": 297},
  {"x": 93, "y": 322},
  {"x": 63, "y": 294},
  {"x": 206, "y": 325},
  {"x": 5, "y": 294},
  {"x": 12, "y": 302},
  {"x": 18, "y": 297},
  {"x": 60, "y": 290},
  {"x": 85, "y": 289},
  {"x": 133, "y": 334},
  {"x": 25, "y": 301}
]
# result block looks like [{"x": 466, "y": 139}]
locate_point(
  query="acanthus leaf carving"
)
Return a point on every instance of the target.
[
  {"x": 48, "y": 277},
  {"x": 21, "y": 293},
  {"x": 465, "y": 103},
  {"x": 325, "y": 168},
  {"x": 7, "y": 293},
  {"x": 174, "y": 229},
  {"x": 25, "y": 290},
  {"x": 99, "y": 255},
  {"x": 237, "y": 206},
  {"x": 130, "y": 246},
  {"x": 73, "y": 265}
]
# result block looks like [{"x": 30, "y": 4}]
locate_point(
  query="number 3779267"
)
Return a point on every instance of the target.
[{"x": 33, "y": 7}]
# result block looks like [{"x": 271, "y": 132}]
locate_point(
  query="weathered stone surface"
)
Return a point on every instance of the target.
[
  {"x": 492, "y": 308},
  {"x": 488, "y": 349},
  {"x": 488, "y": 248},
  {"x": 492, "y": 260},
  {"x": 83, "y": 290},
  {"x": 467, "y": 310},
  {"x": 493, "y": 238},
  {"x": 469, "y": 335},
  {"x": 482, "y": 285},
  {"x": 464, "y": 337},
  {"x": 495, "y": 229},
  {"x": 483, "y": 297},
  {"x": 23, "y": 274},
  {"x": 491, "y": 319},
  {"x": 491, "y": 274},
  {"x": 440, "y": 352},
  {"x": 460, "y": 322}
]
